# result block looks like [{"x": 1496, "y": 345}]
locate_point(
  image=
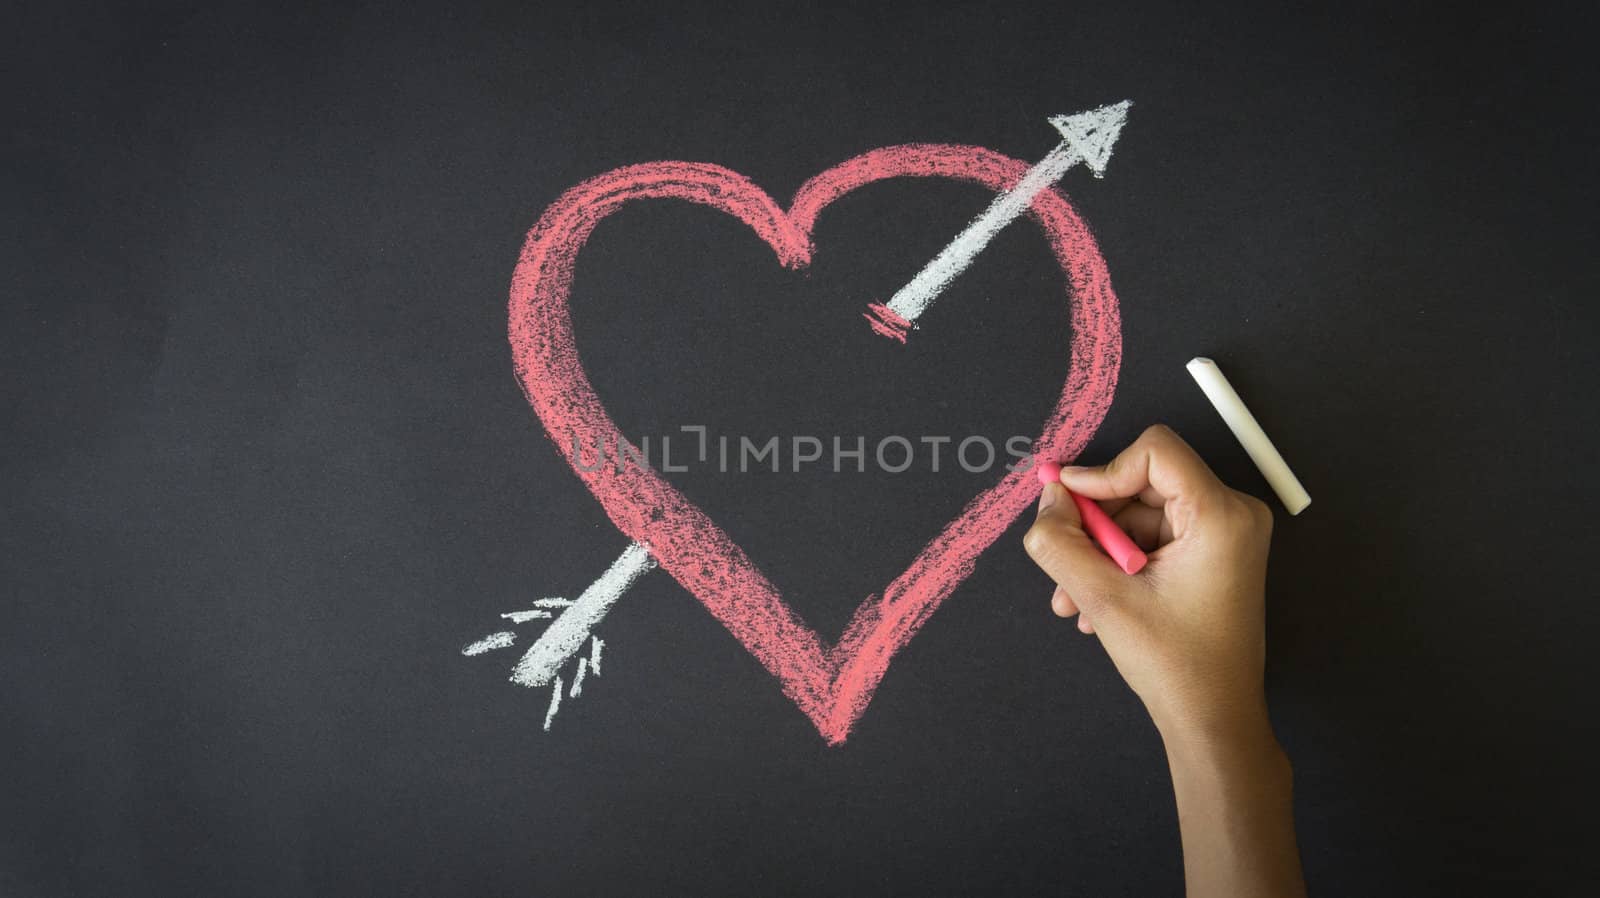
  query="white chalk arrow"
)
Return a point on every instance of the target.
[
  {"x": 567, "y": 633},
  {"x": 1086, "y": 137}
]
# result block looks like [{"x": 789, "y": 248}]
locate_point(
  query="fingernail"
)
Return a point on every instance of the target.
[
  {"x": 1073, "y": 469},
  {"x": 1049, "y": 495}
]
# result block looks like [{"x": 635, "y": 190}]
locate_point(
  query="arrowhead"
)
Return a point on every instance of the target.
[{"x": 1093, "y": 133}]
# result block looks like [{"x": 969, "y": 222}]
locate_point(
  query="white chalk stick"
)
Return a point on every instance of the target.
[{"x": 1243, "y": 424}]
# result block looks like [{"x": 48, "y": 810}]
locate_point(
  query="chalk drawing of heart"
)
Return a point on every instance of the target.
[{"x": 832, "y": 685}]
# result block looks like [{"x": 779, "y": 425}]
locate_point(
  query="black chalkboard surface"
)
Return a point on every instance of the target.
[{"x": 281, "y": 525}]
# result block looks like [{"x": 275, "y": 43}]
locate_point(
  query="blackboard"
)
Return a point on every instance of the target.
[{"x": 270, "y": 469}]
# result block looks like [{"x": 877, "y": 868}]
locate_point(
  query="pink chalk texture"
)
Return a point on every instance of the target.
[{"x": 831, "y": 684}]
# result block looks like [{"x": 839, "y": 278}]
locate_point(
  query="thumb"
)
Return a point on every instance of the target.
[{"x": 1058, "y": 544}]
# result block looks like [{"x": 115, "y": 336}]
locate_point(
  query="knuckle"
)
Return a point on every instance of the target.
[
  {"x": 1256, "y": 507},
  {"x": 1264, "y": 516},
  {"x": 1159, "y": 433},
  {"x": 1096, "y": 596},
  {"x": 1251, "y": 511},
  {"x": 1039, "y": 539},
  {"x": 1260, "y": 509}
]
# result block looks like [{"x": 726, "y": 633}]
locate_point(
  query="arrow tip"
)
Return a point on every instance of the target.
[{"x": 1093, "y": 133}]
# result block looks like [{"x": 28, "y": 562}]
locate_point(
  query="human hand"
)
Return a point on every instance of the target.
[{"x": 1187, "y": 632}]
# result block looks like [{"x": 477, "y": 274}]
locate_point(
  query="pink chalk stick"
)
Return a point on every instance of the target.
[
  {"x": 1105, "y": 531},
  {"x": 1048, "y": 472}
]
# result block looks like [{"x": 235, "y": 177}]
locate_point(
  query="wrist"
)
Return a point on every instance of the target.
[{"x": 1237, "y": 732}]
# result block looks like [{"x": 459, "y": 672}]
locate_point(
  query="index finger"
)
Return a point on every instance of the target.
[{"x": 1159, "y": 462}]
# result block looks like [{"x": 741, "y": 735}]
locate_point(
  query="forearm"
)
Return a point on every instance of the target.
[
  {"x": 1188, "y": 633},
  {"x": 1235, "y": 811}
]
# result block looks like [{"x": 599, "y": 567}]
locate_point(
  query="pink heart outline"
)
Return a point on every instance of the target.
[{"x": 832, "y": 686}]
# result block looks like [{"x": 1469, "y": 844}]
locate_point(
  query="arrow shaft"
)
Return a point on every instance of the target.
[
  {"x": 566, "y": 634},
  {"x": 915, "y": 297}
]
